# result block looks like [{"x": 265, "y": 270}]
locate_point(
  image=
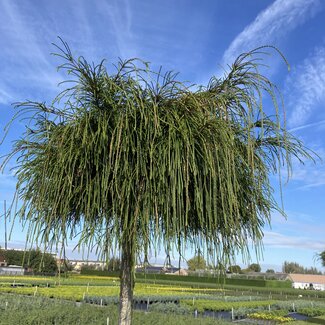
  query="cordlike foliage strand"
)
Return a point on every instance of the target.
[{"x": 138, "y": 157}]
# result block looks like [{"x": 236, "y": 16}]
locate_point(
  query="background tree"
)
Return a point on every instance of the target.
[
  {"x": 270, "y": 271},
  {"x": 114, "y": 264},
  {"x": 142, "y": 161},
  {"x": 254, "y": 267},
  {"x": 35, "y": 260},
  {"x": 293, "y": 267},
  {"x": 312, "y": 270},
  {"x": 66, "y": 267},
  {"x": 197, "y": 262},
  {"x": 42, "y": 263},
  {"x": 234, "y": 269}
]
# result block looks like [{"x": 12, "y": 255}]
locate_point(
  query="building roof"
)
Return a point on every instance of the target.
[
  {"x": 181, "y": 272},
  {"x": 157, "y": 269},
  {"x": 307, "y": 278}
]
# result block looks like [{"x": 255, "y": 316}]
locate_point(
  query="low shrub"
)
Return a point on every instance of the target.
[
  {"x": 312, "y": 312},
  {"x": 219, "y": 280},
  {"x": 20, "y": 310},
  {"x": 270, "y": 316},
  {"x": 202, "y": 305},
  {"x": 170, "y": 308}
]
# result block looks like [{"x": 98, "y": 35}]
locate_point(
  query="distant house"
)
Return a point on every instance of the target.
[
  {"x": 12, "y": 270},
  {"x": 179, "y": 272},
  {"x": 159, "y": 269},
  {"x": 6, "y": 269},
  {"x": 78, "y": 264},
  {"x": 307, "y": 281}
]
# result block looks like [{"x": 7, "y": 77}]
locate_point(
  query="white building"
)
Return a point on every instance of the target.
[
  {"x": 11, "y": 270},
  {"x": 78, "y": 264},
  {"x": 307, "y": 281}
]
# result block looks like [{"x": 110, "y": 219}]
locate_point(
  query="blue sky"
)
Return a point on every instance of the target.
[{"x": 197, "y": 39}]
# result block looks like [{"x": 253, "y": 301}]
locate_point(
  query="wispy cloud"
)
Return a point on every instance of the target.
[
  {"x": 306, "y": 89},
  {"x": 5, "y": 96},
  {"x": 25, "y": 53},
  {"x": 120, "y": 19},
  {"x": 307, "y": 126},
  {"x": 298, "y": 223},
  {"x": 308, "y": 175},
  {"x": 279, "y": 240},
  {"x": 271, "y": 25}
]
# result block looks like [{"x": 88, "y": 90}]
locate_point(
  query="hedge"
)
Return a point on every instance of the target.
[{"x": 196, "y": 279}]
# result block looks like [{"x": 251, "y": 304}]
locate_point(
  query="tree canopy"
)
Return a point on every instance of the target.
[
  {"x": 35, "y": 260},
  {"x": 139, "y": 160},
  {"x": 294, "y": 267},
  {"x": 234, "y": 269},
  {"x": 254, "y": 267},
  {"x": 197, "y": 262}
]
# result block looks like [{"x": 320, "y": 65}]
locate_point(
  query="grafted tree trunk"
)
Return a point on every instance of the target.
[{"x": 126, "y": 283}]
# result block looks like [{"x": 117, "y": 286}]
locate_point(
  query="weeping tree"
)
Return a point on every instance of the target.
[{"x": 138, "y": 161}]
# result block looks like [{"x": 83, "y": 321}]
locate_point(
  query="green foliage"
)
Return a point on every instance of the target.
[
  {"x": 213, "y": 305},
  {"x": 255, "y": 283},
  {"x": 270, "y": 271},
  {"x": 138, "y": 158},
  {"x": 293, "y": 267},
  {"x": 84, "y": 271},
  {"x": 278, "y": 284},
  {"x": 265, "y": 316},
  {"x": 42, "y": 262},
  {"x": 170, "y": 308},
  {"x": 322, "y": 257},
  {"x": 254, "y": 267},
  {"x": 22, "y": 310},
  {"x": 312, "y": 312},
  {"x": 196, "y": 263},
  {"x": 244, "y": 311},
  {"x": 234, "y": 269},
  {"x": 114, "y": 264},
  {"x": 299, "y": 305},
  {"x": 138, "y": 161},
  {"x": 34, "y": 259}
]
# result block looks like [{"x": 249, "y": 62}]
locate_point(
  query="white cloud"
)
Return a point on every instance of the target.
[
  {"x": 5, "y": 96},
  {"x": 18, "y": 35},
  {"x": 120, "y": 17},
  {"x": 309, "y": 125},
  {"x": 308, "y": 175},
  {"x": 26, "y": 53},
  {"x": 306, "y": 86},
  {"x": 271, "y": 24},
  {"x": 298, "y": 223},
  {"x": 275, "y": 239}
]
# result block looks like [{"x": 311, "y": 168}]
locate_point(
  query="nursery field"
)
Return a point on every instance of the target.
[{"x": 81, "y": 299}]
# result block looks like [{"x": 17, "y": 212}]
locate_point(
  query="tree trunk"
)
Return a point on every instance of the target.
[{"x": 126, "y": 283}]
